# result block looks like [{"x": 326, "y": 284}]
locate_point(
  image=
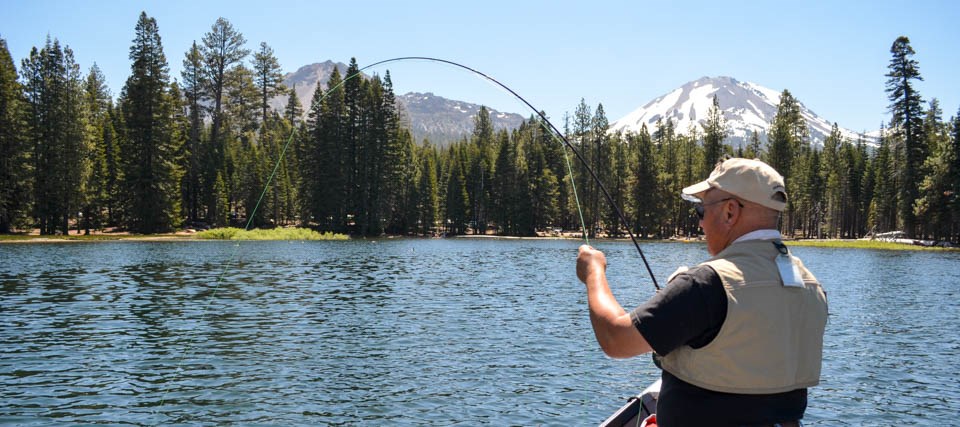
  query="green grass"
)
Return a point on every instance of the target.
[
  {"x": 233, "y": 233},
  {"x": 866, "y": 244},
  {"x": 79, "y": 238},
  {"x": 14, "y": 237}
]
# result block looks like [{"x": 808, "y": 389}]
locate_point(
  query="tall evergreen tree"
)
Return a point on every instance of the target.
[
  {"x": 352, "y": 139},
  {"x": 457, "y": 200},
  {"x": 15, "y": 167},
  {"x": 544, "y": 188},
  {"x": 242, "y": 100},
  {"x": 953, "y": 177},
  {"x": 100, "y": 184},
  {"x": 603, "y": 153},
  {"x": 932, "y": 208},
  {"x": 585, "y": 185},
  {"x": 754, "y": 149},
  {"x": 54, "y": 92},
  {"x": 834, "y": 175},
  {"x": 293, "y": 111},
  {"x": 714, "y": 132},
  {"x": 883, "y": 207},
  {"x": 151, "y": 171},
  {"x": 222, "y": 49},
  {"x": 194, "y": 85},
  {"x": 785, "y": 144},
  {"x": 268, "y": 77},
  {"x": 428, "y": 191},
  {"x": 482, "y": 165},
  {"x": 646, "y": 211},
  {"x": 906, "y": 125}
]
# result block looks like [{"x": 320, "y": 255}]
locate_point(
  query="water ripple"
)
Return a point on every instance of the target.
[{"x": 413, "y": 332}]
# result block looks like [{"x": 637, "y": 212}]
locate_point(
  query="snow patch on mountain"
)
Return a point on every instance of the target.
[{"x": 746, "y": 107}]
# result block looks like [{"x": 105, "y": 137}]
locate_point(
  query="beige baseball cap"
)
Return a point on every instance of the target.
[{"x": 750, "y": 180}]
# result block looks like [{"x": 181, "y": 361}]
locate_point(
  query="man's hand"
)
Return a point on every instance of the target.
[
  {"x": 611, "y": 324},
  {"x": 589, "y": 262}
]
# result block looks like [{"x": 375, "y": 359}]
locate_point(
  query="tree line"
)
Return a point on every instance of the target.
[{"x": 207, "y": 150}]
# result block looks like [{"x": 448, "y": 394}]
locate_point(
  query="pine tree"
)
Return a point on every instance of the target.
[
  {"x": 151, "y": 172},
  {"x": 457, "y": 199},
  {"x": 931, "y": 208},
  {"x": 54, "y": 92},
  {"x": 906, "y": 126},
  {"x": 860, "y": 194},
  {"x": 15, "y": 166},
  {"x": 268, "y": 77},
  {"x": 294, "y": 111},
  {"x": 785, "y": 147},
  {"x": 782, "y": 142},
  {"x": 882, "y": 216},
  {"x": 481, "y": 169},
  {"x": 503, "y": 203},
  {"x": 310, "y": 155},
  {"x": 222, "y": 49},
  {"x": 754, "y": 149},
  {"x": 647, "y": 218},
  {"x": 544, "y": 188},
  {"x": 242, "y": 100},
  {"x": 953, "y": 177},
  {"x": 193, "y": 89},
  {"x": 428, "y": 191},
  {"x": 714, "y": 131},
  {"x": 98, "y": 103},
  {"x": 834, "y": 175},
  {"x": 352, "y": 140},
  {"x": 867, "y": 185}
]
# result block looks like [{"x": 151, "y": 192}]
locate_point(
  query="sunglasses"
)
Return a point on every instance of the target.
[{"x": 699, "y": 207}]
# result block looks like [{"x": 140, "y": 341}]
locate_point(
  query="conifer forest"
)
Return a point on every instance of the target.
[{"x": 204, "y": 149}]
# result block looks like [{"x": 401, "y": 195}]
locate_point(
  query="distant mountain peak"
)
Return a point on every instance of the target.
[
  {"x": 430, "y": 116},
  {"x": 747, "y": 108},
  {"x": 304, "y": 81},
  {"x": 443, "y": 120}
]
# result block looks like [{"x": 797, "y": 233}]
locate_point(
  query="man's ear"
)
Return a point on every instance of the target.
[{"x": 731, "y": 216}]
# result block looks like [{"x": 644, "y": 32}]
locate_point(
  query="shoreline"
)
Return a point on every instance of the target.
[{"x": 186, "y": 236}]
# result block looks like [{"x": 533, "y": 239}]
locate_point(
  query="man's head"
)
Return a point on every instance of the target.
[{"x": 738, "y": 197}]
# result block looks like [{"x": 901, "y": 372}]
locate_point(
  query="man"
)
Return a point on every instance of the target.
[{"x": 740, "y": 336}]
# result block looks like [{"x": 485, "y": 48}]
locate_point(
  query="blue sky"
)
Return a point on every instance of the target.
[{"x": 832, "y": 55}]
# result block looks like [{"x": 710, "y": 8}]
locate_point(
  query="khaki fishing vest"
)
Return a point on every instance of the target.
[{"x": 772, "y": 338}]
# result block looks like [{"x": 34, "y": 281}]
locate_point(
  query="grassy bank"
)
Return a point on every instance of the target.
[
  {"x": 232, "y": 233},
  {"x": 866, "y": 244}
]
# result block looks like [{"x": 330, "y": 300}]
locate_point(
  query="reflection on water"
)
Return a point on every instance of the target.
[{"x": 413, "y": 332}]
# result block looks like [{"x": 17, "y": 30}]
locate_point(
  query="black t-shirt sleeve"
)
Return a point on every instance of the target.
[{"x": 689, "y": 311}]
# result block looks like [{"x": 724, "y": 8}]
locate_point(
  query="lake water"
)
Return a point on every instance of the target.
[{"x": 413, "y": 332}]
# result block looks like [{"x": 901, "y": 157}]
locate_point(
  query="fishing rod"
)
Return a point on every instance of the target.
[{"x": 556, "y": 134}]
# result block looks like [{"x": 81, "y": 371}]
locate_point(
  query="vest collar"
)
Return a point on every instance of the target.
[{"x": 764, "y": 234}]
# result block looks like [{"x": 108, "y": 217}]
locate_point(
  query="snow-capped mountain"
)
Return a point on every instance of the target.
[
  {"x": 436, "y": 118},
  {"x": 747, "y": 107}
]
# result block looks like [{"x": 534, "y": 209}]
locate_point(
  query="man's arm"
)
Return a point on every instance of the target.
[{"x": 612, "y": 325}]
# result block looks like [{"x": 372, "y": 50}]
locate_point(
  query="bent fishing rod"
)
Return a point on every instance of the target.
[{"x": 556, "y": 134}]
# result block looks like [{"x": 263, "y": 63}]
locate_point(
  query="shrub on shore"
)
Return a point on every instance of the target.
[{"x": 233, "y": 233}]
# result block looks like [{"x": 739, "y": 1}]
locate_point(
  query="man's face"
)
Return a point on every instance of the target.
[{"x": 715, "y": 229}]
